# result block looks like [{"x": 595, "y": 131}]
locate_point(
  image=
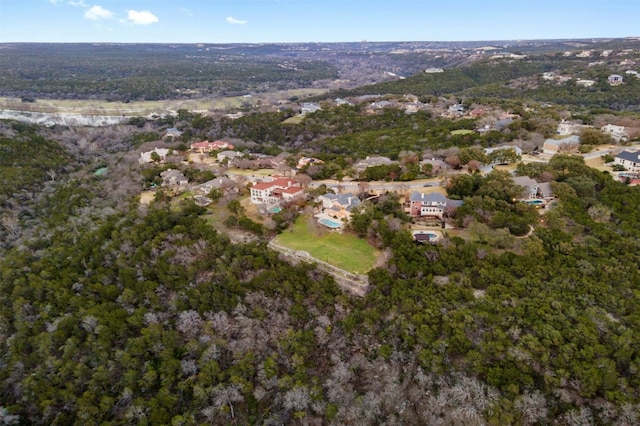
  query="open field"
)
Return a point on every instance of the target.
[
  {"x": 144, "y": 108},
  {"x": 342, "y": 250},
  {"x": 462, "y": 132}
]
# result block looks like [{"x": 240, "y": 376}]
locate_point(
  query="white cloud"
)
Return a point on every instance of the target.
[
  {"x": 78, "y": 3},
  {"x": 233, "y": 20},
  {"x": 141, "y": 17},
  {"x": 97, "y": 12}
]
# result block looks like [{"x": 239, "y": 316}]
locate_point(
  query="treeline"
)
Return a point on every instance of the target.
[
  {"x": 146, "y": 72},
  {"x": 115, "y": 313}
]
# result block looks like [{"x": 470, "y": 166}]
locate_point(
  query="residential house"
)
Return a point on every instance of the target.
[
  {"x": 340, "y": 101},
  {"x": 437, "y": 166},
  {"x": 629, "y": 160},
  {"x": 307, "y": 161},
  {"x": 555, "y": 146},
  {"x": 146, "y": 157},
  {"x": 566, "y": 128},
  {"x": 309, "y": 107},
  {"x": 376, "y": 107},
  {"x": 456, "y": 109},
  {"x": 229, "y": 156},
  {"x": 338, "y": 206},
  {"x": 585, "y": 83},
  {"x": 173, "y": 177},
  {"x": 431, "y": 205},
  {"x": 517, "y": 149},
  {"x": 173, "y": 133},
  {"x": 371, "y": 161},
  {"x": 275, "y": 191},
  {"x": 222, "y": 183},
  {"x": 615, "y": 79},
  {"x": 206, "y": 146},
  {"x": 618, "y": 133},
  {"x": 532, "y": 188}
]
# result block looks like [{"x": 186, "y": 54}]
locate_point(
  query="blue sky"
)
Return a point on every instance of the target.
[{"x": 265, "y": 21}]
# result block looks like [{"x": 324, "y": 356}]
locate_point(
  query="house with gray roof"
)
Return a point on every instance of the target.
[
  {"x": 370, "y": 161},
  {"x": 173, "y": 177},
  {"x": 533, "y": 188},
  {"x": 556, "y": 146},
  {"x": 629, "y": 160},
  {"x": 431, "y": 205},
  {"x": 338, "y": 206}
]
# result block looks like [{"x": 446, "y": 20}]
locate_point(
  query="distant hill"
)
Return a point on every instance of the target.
[{"x": 127, "y": 72}]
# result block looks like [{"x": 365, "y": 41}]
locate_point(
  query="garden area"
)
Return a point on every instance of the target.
[{"x": 344, "y": 251}]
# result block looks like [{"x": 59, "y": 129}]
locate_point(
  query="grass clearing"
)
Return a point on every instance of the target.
[
  {"x": 462, "y": 132},
  {"x": 143, "y": 108},
  {"x": 345, "y": 251}
]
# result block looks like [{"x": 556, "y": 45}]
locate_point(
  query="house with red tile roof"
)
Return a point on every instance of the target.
[{"x": 275, "y": 191}]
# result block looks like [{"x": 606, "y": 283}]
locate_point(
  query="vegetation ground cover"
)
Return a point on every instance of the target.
[{"x": 342, "y": 250}]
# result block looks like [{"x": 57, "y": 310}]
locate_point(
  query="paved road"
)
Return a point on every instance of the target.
[{"x": 377, "y": 186}]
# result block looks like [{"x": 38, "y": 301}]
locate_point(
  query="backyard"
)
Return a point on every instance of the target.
[{"x": 344, "y": 251}]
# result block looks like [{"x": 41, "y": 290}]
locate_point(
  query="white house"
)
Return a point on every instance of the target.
[
  {"x": 145, "y": 157},
  {"x": 615, "y": 79},
  {"x": 228, "y": 155},
  {"x": 618, "y": 133},
  {"x": 629, "y": 160},
  {"x": 275, "y": 191}
]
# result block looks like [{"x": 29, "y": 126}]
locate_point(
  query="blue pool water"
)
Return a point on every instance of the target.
[
  {"x": 535, "y": 202},
  {"x": 275, "y": 209},
  {"x": 330, "y": 223},
  {"x": 431, "y": 235}
]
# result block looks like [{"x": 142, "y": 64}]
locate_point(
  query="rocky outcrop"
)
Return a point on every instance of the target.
[{"x": 64, "y": 119}]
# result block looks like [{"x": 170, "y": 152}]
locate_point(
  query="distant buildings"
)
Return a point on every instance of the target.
[
  {"x": 615, "y": 79},
  {"x": 585, "y": 83},
  {"x": 309, "y": 107}
]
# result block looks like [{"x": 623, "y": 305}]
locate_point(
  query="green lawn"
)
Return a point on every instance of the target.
[
  {"x": 342, "y": 250},
  {"x": 462, "y": 132}
]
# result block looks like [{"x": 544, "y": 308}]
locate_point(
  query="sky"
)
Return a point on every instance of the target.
[{"x": 285, "y": 21}]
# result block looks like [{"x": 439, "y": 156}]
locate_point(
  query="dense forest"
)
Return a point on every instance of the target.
[
  {"x": 112, "y": 312},
  {"x": 117, "y": 311}
]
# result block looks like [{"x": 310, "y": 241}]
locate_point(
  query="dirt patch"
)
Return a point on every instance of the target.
[{"x": 146, "y": 197}]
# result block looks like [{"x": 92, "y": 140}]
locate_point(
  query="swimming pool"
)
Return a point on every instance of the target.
[
  {"x": 535, "y": 202},
  {"x": 425, "y": 236},
  {"x": 275, "y": 209},
  {"x": 330, "y": 223}
]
